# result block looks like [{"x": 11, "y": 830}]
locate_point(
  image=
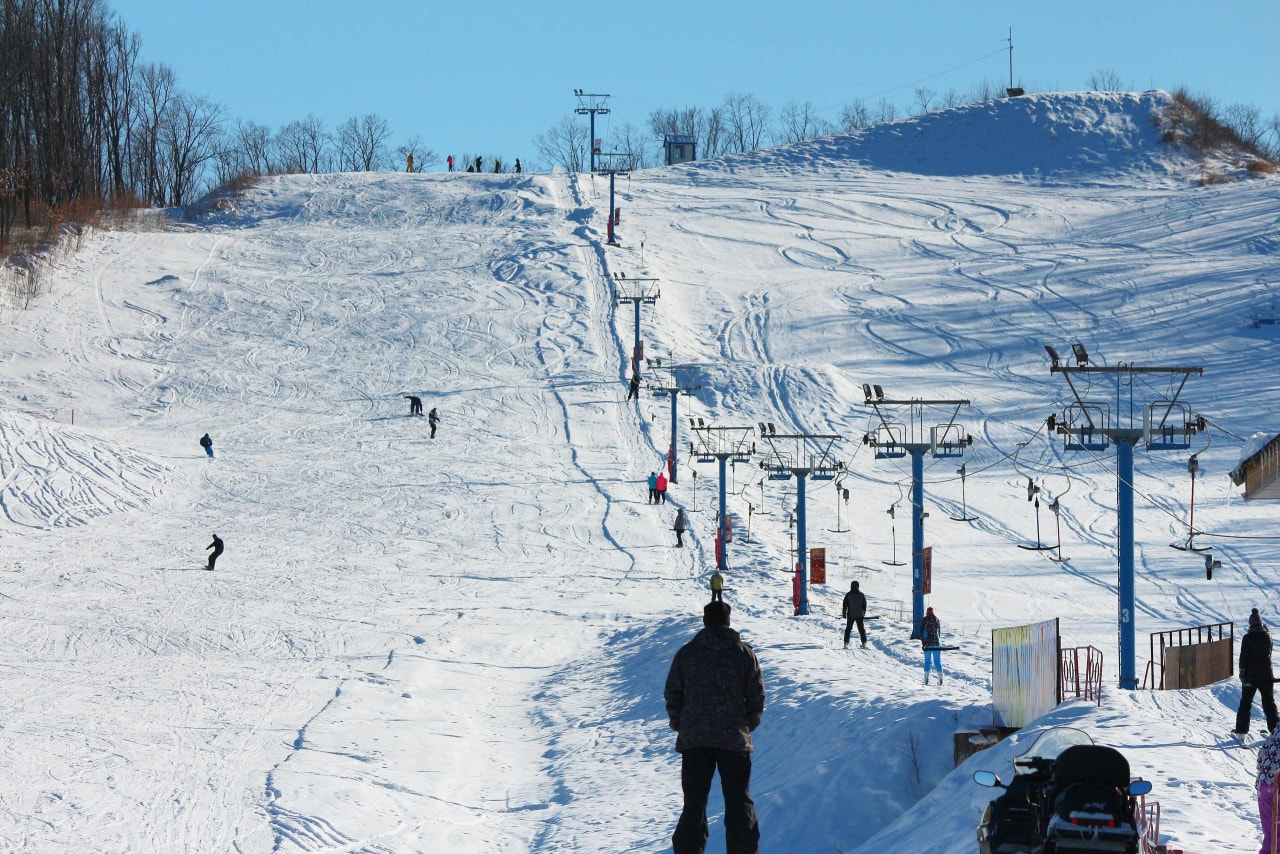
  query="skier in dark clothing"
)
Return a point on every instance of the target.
[
  {"x": 415, "y": 404},
  {"x": 682, "y": 525},
  {"x": 715, "y": 697},
  {"x": 1255, "y": 674},
  {"x": 216, "y": 545},
  {"x": 853, "y": 610},
  {"x": 633, "y": 388},
  {"x": 517, "y": 165},
  {"x": 433, "y": 418},
  {"x": 207, "y": 444},
  {"x": 478, "y": 161}
]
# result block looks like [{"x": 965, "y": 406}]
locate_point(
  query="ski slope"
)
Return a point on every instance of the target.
[{"x": 459, "y": 644}]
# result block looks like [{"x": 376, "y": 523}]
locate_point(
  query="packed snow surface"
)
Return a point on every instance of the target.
[{"x": 459, "y": 644}]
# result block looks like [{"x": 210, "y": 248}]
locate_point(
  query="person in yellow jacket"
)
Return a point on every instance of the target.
[
  {"x": 717, "y": 587},
  {"x": 410, "y": 163}
]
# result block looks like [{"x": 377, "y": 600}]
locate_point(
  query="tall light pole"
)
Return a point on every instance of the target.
[
  {"x": 895, "y": 439},
  {"x": 1087, "y": 425},
  {"x": 591, "y": 105}
]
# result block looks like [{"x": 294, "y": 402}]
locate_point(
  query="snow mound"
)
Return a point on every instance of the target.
[
  {"x": 1081, "y": 137},
  {"x": 52, "y": 476}
]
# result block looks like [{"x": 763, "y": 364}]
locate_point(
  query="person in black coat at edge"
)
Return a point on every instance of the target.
[
  {"x": 854, "y": 609},
  {"x": 1255, "y": 674},
  {"x": 715, "y": 697}
]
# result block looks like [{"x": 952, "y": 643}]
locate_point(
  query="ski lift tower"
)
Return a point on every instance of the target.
[
  {"x": 894, "y": 439},
  {"x": 668, "y": 380},
  {"x": 589, "y": 105},
  {"x": 1088, "y": 425},
  {"x": 722, "y": 444},
  {"x": 803, "y": 455},
  {"x": 616, "y": 164},
  {"x": 638, "y": 292}
]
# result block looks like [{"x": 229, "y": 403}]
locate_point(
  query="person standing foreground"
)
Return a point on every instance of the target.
[{"x": 715, "y": 698}]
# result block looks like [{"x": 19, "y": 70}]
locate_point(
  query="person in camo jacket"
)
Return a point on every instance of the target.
[{"x": 715, "y": 697}]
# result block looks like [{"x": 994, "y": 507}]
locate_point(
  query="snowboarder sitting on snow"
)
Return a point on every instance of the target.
[
  {"x": 930, "y": 635},
  {"x": 433, "y": 418},
  {"x": 216, "y": 545},
  {"x": 853, "y": 610},
  {"x": 1255, "y": 674},
  {"x": 682, "y": 525},
  {"x": 415, "y": 404},
  {"x": 207, "y": 444},
  {"x": 715, "y": 697}
]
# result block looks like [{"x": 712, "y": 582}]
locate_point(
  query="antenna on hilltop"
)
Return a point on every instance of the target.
[{"x": 1012, "y": 91}]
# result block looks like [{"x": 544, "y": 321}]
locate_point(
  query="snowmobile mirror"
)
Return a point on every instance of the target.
[
  {"x": 987, "y": 778},
  {"x": 1138, "y": 787}
]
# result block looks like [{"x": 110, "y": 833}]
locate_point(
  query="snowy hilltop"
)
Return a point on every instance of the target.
[{"x": 459, "y": 643}]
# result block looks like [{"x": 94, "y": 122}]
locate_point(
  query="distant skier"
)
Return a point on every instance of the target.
[
  {"x": 415, "y": 404},
  {"x": 216, "y": 545},
  {"x": 517, "y": 165},
  {"x": 717, "y": 586},
  {"x": 497, "y": 165},
  {"x": 633, "y": 387},
  {"x": 853, "y": 610},
  {"x": 450, "y": 162},
  {"x": 479, "y": 163},
  {"x": 207, "y": 444},
  {"x": 662, "y": 488},
  {"x": 409, "y": 164},
  {"x": 653, "y": 487},
  {"x": 681, "y": 526},
  {"x": 1255, "y": 674},
  {"x": 930, "y": 639},
  {"x": 433, "y": 418}
]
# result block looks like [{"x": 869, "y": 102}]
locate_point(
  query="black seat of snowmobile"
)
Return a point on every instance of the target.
[{"x": 1091, "y": 763}]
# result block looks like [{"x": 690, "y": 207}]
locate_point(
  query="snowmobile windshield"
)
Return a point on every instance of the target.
[{"x": 1050, "y": 744}]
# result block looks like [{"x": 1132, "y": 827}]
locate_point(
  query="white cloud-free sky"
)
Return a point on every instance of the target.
[{"x": 490, "y": 75}]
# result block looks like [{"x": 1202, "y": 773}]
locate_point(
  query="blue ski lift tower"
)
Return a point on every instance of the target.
[
  {"x": 638, "y": 292},
  {"x": 722, "y": 444},
  {"x": 893, "y": 439},
  {"x": 803, "y": 456},
  {"x": 1093, "y": 425},
  {"x": 673, "y": 380},
  {"x": 591, "y": 105}
]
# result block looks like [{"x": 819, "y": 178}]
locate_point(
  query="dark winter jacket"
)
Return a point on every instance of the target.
[
  {"x": 1255, "y": 656},
  {"x": 205, "y": 441},
  {"x": 930, "y": 630},
  {"x": 855, "y": 605},
  {"x": 715, "y": 691},
  {"x": 681, "y": 524}
]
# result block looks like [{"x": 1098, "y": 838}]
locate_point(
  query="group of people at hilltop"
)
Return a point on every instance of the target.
[{"x": 477, "y": 166}]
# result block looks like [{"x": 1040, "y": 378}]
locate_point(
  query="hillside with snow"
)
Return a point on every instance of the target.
[{"x": 459, "y": 644}]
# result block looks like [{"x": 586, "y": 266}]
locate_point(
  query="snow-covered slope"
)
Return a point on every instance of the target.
[{"x": 459, "y": 644}]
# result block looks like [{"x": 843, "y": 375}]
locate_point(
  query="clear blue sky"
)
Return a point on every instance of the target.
[{"x": 487, "y": 76}]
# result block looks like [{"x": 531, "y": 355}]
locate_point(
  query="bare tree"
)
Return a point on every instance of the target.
[
  {"x": 798, "y": 122},
  {"x": 362, "y": 143},
  {"x": 156, "y": 89},
  {"x": 423, "y": 157},
  {"x": 255, "y": 147},
  {"x": 746, "y": 120},
  {"x": 188, "y": 137},
  {"x": 885, "y": 111},
  {"x": 564, "y": 144},
  {"x": 924, "y": 97},
  {"x": 950, "y": 99},
  {"x": 1246, "y": 121},
  {"x": 303, "y": 146},
  {"x": 1106, "y": 80},
  {"x": 632, "y": 144},
  {"x": 855, "y": 115},
  {"x": 1273, "y": 137}
]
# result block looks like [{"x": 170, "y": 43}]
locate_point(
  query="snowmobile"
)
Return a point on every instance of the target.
[{"x": 1068, "y": 796}]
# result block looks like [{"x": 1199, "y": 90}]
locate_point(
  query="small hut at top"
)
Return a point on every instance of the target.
[{"x": 1259, "y": 472}]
